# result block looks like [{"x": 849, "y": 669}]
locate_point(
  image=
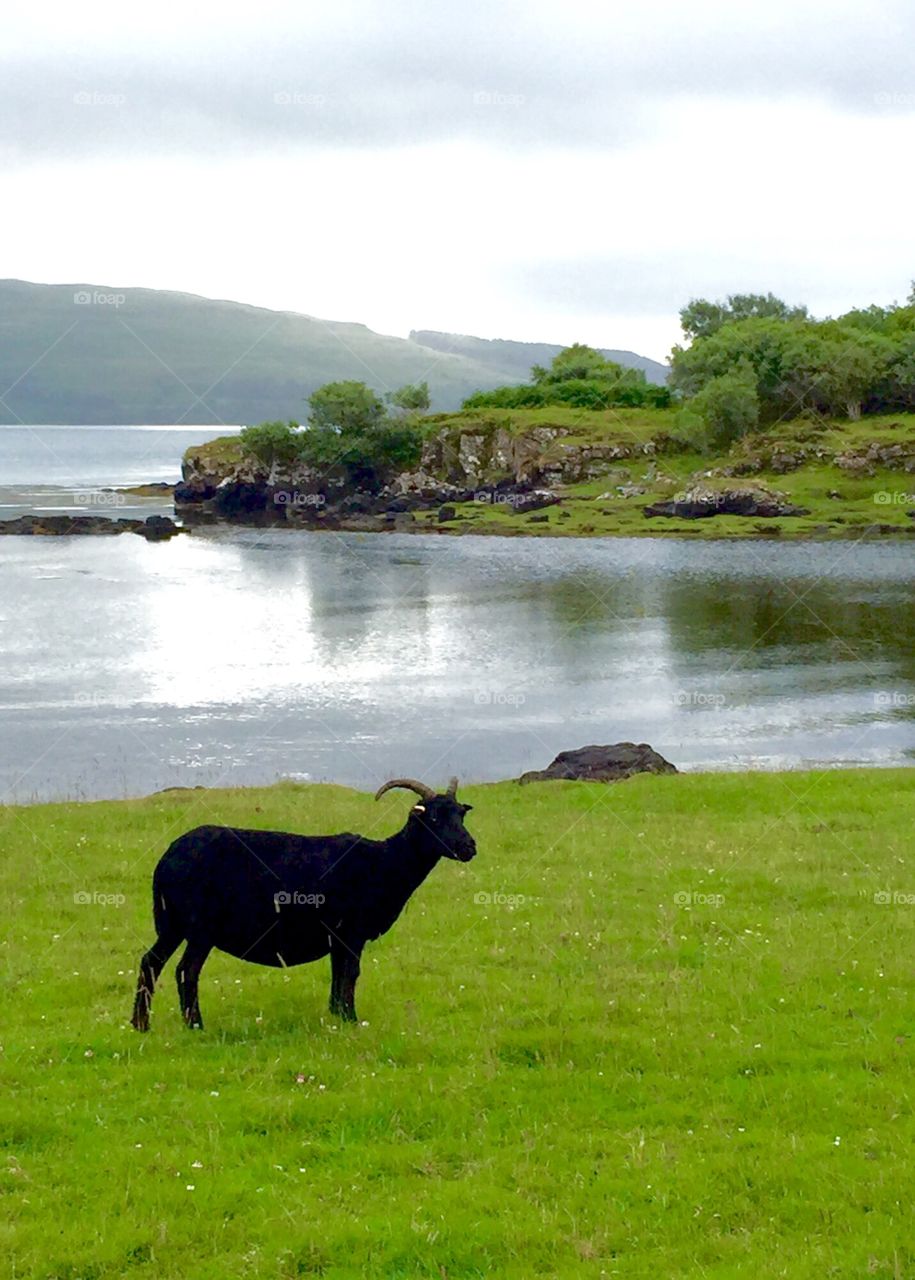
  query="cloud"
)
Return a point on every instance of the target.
[{"x": 363, "y": 75}]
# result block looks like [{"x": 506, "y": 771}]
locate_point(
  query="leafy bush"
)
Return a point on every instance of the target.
[
  {"x": 578, "y": 376},
  {"x": 345, "y": 406},
  {"x": 727, "y": 407},
  {"x": 412, "y": 398},
  {"x": 272, "y": 443}
]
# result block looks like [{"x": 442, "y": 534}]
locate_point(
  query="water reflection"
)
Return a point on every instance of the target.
[{"x": 241, "y": 656}]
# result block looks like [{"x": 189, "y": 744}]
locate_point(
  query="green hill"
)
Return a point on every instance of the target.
[
  {"x": 515, "y": 359},
  {"x": 94, "y": 354},
  {"x": 87, "y": 353}
]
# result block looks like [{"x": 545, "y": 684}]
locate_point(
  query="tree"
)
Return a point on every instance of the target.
[
  {"x": 583, "y": 362},
  {"x": 411, "y": 398},
  {"x": 348, "y": 429},
  {"x": 700, "y": 318},
  {"x": 345, "y": 407},
  {"x": 274, "y": 444},
  {"x": 727, "y": 406}
]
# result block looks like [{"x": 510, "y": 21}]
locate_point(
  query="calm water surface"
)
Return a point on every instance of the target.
[{"x": 239, "y": 656}]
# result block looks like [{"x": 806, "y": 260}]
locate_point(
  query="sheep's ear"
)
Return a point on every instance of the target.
[{"x": 419, "y": 808}]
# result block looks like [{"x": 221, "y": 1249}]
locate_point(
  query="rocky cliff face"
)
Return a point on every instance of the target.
[{"x": 486, "y": 464}]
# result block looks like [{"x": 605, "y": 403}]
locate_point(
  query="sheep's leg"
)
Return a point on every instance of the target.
[
  {"x": 344, "y": 969},
  {"x": 150, "y": 967},
  {"x": 187, "y": 974}
]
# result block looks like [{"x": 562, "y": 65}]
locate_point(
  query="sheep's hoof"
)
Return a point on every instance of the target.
[{"x": 140, "y": 1024}]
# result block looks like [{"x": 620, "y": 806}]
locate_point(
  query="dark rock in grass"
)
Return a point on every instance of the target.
[
  {"x": 701, "y": 503},
  {"x": 602, "y": 764},
  {"x": 538, "y": 519},
  {"x": 446, "y": 513},
  {"x": 533, "y": 501}
]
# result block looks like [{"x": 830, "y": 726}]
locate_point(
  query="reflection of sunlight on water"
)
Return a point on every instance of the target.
[{"x": 255, "y": 654}]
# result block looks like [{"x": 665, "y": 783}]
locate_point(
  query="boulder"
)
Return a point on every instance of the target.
[
  {"x": 602, "y": 764},
  {"x": 700, "y": 503},
  {"x": 153, "y": 528}
]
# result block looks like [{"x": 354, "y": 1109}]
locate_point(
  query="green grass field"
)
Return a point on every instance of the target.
[{"x": 657, "y": 1029}]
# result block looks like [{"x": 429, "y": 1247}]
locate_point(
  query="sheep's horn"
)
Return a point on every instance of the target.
[
  {"x": 452, "y": 787},
  {"x": 409, "y": 784}
]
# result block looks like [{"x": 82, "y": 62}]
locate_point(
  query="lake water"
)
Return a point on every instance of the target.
[
  {"x": 61, "y": 469},
  {"x": 237, "y": 656}
]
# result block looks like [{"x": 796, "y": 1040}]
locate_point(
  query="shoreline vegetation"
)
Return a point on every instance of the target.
[
  {"x": 616, "y": 1003},
  {"x": 773, "y": 424},
  {"x": 588, "y": 473}
]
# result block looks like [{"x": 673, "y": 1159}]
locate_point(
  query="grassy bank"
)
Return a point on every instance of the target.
[
  {"x": 841, "y": 504},
  {"x": 675, "y": 1040}
]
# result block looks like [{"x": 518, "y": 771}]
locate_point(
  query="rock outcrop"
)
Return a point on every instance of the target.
[
  {"x": 602, "y": 764},
  {"x": 496, "y": 468},
  {"x": 701, "y": 502},
  {"x": 153, "y": 528}
]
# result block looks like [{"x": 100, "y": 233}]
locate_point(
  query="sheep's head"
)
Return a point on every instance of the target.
[{"x": 439, "y": 816}]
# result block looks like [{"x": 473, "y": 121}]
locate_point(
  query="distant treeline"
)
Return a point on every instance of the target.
[{"x": 754, "y": 360}]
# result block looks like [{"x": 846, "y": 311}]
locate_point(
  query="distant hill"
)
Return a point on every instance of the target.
[
  {"x": 86, "y": 353},
  {"x": 513, "y": 360}
]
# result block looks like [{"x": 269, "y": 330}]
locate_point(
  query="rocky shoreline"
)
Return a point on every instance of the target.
[
  {"x": 511, "y": 480},
  {"x": 153, "y": 528}
]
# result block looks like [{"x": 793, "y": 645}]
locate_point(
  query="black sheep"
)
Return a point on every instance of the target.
[{"x": 281, "y": 900}]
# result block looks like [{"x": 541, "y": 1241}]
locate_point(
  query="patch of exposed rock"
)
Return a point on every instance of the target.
[
  {"x": 153, "y": 528},
  {"x": 701, "y": 502},
  {"x": 602, "y": 764}
]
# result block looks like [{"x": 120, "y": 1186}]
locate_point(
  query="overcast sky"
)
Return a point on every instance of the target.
[{"x": 544, "y": 171}]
